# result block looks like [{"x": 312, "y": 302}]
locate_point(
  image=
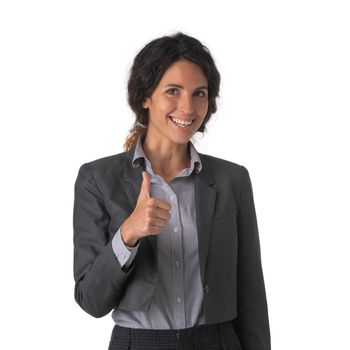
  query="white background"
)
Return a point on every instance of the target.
[{"x": 283, "y": 113}]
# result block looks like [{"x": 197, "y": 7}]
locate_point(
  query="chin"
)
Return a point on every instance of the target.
[{"x": 180, "y": 140}]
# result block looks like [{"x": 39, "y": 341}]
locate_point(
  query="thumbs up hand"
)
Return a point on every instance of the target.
[{"x": 148, "y": 218}]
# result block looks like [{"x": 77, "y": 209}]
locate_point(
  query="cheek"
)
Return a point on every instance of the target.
[
  {"x": 166, "y": 106},
  {"x": 202, "y": 108}
]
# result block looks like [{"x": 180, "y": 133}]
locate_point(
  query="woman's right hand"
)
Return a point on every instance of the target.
[{"x": 148, "y": 218}]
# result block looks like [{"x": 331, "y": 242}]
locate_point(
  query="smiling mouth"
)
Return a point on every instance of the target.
[{"x": 182, "y": 124}]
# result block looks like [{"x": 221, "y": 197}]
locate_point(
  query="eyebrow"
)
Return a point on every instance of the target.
[{"x": 181, "y": 87}]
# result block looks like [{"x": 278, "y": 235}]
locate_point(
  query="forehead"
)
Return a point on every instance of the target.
[{"x": 184, "y": 71}]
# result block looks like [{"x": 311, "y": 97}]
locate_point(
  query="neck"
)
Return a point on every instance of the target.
[{"x": 165, "y": 156}]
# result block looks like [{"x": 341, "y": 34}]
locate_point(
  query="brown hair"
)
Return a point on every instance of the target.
[{"x": 150, "y": 65}]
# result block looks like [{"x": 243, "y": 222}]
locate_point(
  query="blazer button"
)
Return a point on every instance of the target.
[{"x": 206, "y": 288}]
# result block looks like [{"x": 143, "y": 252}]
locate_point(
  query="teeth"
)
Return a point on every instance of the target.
[{"x": 180, "y": 122}]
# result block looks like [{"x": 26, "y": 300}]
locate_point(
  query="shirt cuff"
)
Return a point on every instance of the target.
[{"x": 123, "y": 253}]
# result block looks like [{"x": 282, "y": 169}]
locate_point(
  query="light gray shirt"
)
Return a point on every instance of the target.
[{"x": 178, "y": 298}]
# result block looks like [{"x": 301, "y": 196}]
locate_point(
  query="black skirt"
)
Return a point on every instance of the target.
[{"x": 220, "y": 336}]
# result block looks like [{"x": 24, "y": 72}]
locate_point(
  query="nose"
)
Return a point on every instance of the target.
[{"x": 186, "y": 104}]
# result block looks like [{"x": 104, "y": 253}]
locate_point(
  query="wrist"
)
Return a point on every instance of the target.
[{"x": 127, "y": 236}]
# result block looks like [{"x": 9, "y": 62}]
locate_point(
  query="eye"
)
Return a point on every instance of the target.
[
  {"x": 201, "y": 93},
  {"x": 172, "y": 91}
]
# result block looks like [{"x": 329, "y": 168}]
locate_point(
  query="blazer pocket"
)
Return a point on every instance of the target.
[
  {"x": 225, "y": 215},
  {"x": 138, "y": 295}
]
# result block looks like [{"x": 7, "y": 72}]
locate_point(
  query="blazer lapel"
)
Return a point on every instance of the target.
[{"x": 205, "y": 198}]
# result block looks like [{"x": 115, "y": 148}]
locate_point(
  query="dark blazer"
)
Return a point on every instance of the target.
[{"x": 106, "y": 192}]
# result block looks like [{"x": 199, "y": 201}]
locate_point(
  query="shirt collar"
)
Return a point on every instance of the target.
[{"x": 139, "y": 155}]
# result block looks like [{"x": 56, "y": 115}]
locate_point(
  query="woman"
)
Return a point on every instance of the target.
[{"x": 165, "y": 236}]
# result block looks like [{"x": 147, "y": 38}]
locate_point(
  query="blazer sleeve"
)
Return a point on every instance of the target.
[
  {"x": 99, "y": 278},
  {"x": 252, "y": 321}
]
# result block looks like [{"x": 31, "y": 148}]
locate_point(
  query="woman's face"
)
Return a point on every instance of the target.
[{"x": 182, "y": 93}]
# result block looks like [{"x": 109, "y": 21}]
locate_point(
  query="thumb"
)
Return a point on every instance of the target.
[{"x": 145, "y": 191}]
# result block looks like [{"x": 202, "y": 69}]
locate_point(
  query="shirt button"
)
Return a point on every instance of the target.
[
  {"x": 178, "y": 300},
  {"x": 206, "y": 288},
  {"x": 177, "y": 263},
  {"x": 171, "y": 197},
  {"x": 176, "y": 229}
]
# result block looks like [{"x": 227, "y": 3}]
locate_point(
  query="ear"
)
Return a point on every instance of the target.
[{"x": 146, "y": 103}]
